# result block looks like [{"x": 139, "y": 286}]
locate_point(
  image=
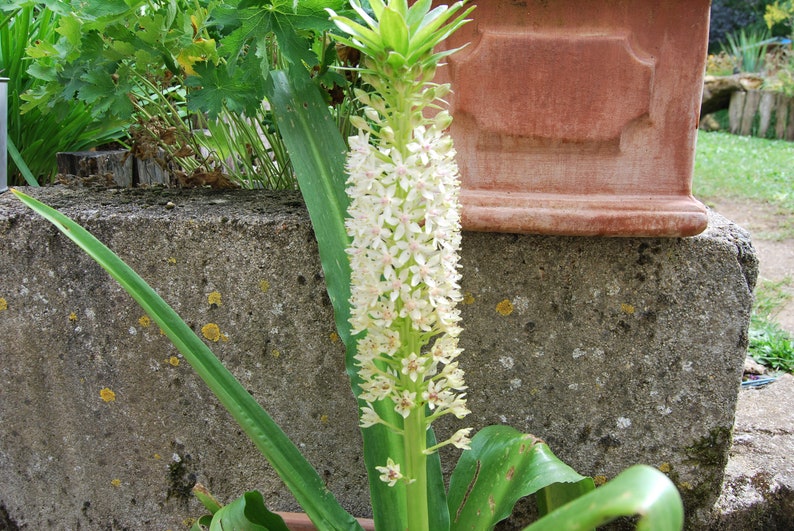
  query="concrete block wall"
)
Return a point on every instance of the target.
[{"x": 615, "y": 351}]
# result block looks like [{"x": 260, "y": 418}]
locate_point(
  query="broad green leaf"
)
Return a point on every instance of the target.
[
  {"x": 363, "y": 14},
  {"x": 205, "y": 521},
  {"x": 107, "y": 8},
  {"x": 247, "y": 513},
  {"x": 244, "y": 30},
  {"x": 639, "y": 490},
  {"x": 106, "y": 93},
  {"x": 394, "y": 31},
  {"x": 377, "y": 7},
  {"x": 372, "y": 41},
  {"x": 216, "y": 88},
  {"x": 400, "y": 6},
  {"x": 206, "y": 498},
  {"x": 417, "y": 13},
  {"x": 427, "y": 34},
  {"x": 69, "y": 27},
  {"x": 297, "y": 473},
  {"x": 318, "y": 155},
  {"x": 42, "y": 49},
  {"x": 503, "y": 466}
]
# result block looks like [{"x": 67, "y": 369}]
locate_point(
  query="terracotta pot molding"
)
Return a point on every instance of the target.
[
  {"x": 301, "y": 522},
  {"x": 579, "y": 117}
]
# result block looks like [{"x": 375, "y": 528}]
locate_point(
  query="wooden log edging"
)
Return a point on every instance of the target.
[
  {"x": 769, "y": 107},
  {"x": 116, "y": 167}
]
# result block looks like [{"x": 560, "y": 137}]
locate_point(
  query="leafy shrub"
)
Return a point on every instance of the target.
[
  {"x": 37, "y": 133},
  {"x": 173, "y": 66}
]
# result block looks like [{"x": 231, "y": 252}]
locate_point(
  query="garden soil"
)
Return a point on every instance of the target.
[{"x": 772, "y": 235}]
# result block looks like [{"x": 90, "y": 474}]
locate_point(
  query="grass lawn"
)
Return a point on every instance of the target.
[{"x": 732, "y": 166}]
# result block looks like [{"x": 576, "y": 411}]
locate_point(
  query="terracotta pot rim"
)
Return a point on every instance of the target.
[{"x": 301, "y": 522}]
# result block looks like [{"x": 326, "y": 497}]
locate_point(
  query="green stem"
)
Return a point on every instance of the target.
[
  {"x": 416, "y": 471},
  {"x": 415, "y": 443}
]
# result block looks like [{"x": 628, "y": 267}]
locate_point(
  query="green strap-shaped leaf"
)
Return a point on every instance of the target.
[
  {"x": 20, "y": 162},
  {"x": 503, "y": 466},
  {"x": 297, "y": 473},
  {"x": 318, "y": 155},
  {"x": 639, "y": 490},
  {"x": 247, "y": 513}
]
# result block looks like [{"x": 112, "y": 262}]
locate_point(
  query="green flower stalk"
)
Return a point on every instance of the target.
[{"x": 404, "y": 223}]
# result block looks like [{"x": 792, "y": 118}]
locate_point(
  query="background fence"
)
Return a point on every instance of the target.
[{"x": 762, "y": 113}]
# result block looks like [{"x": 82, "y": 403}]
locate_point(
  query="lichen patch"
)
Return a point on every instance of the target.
[
  {"x": 107, "y": 394},
  {"x": 214, "y": 298},
  {"x": 505, "y": 308}
]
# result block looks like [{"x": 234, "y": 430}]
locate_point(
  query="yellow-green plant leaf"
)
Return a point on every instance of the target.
[
  {"x": 394, "y": 31},
  {"x": 247, "y": 513},
  {"x": 503, "y": 466},
  {"x": 638, "y": 491}
]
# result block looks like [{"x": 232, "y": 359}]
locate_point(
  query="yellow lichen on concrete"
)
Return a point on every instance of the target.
[
  {"x": 73, "y": 317},
  {"x": 599, "y": 480},
  {"x": 324, "y": 419},
  {"x": 173, "y": 361},
  {"x": 334, "y": 337},
  {"x": 211, "y": 331},
  {"x": 627, "y": 308},
  {"x": 144, "y": 321},
  {"x": 275, "y": 353},
  {"x": 468, "y": 298},
  {"x": 171, "y": 260},
  {"x": 665, "y": 467},
  {"x": 264, "y": 286},
  {"x": 214, "y": 298},
  {"x": 505, "y": 308},
  {"x": 107, "y": 395},
  {"x": 3, "y": 304},
  {"x": 115, "y": 482}
]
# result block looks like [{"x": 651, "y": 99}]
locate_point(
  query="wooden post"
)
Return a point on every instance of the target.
[
  {"x": 151, "y": 171},
  {"x": 749, "y": 111},
  {"x": 790, "y": 127},
  {"x": 116, "y": 164},
  {"x": 781, "y": 116},
  {"x": 735, "y": 111},
  {"x": 765, "y": 112}
]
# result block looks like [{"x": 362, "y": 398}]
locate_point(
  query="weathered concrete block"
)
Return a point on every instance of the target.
[{"x": 616, "y": 351}]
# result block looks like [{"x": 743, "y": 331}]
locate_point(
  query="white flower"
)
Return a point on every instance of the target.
[
  {"x": 369, "y": 417},
  {"x": 404, "y": 403},
  {"x": 404, "y": 225},
  {"x": 436, "y": 394},
  {"x": 461, "y": 439},
  {"x": 390, "y": 473},
  {"x": 413, "y": 366},
  {"x": 445, "y": 349}
]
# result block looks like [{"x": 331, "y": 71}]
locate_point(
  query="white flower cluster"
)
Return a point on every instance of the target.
[{"x": 405, "y": 228}]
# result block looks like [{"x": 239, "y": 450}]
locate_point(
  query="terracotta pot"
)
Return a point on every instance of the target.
[
  {"x": 579, "y": 117},
  {"x": 301, "y": 522}
]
